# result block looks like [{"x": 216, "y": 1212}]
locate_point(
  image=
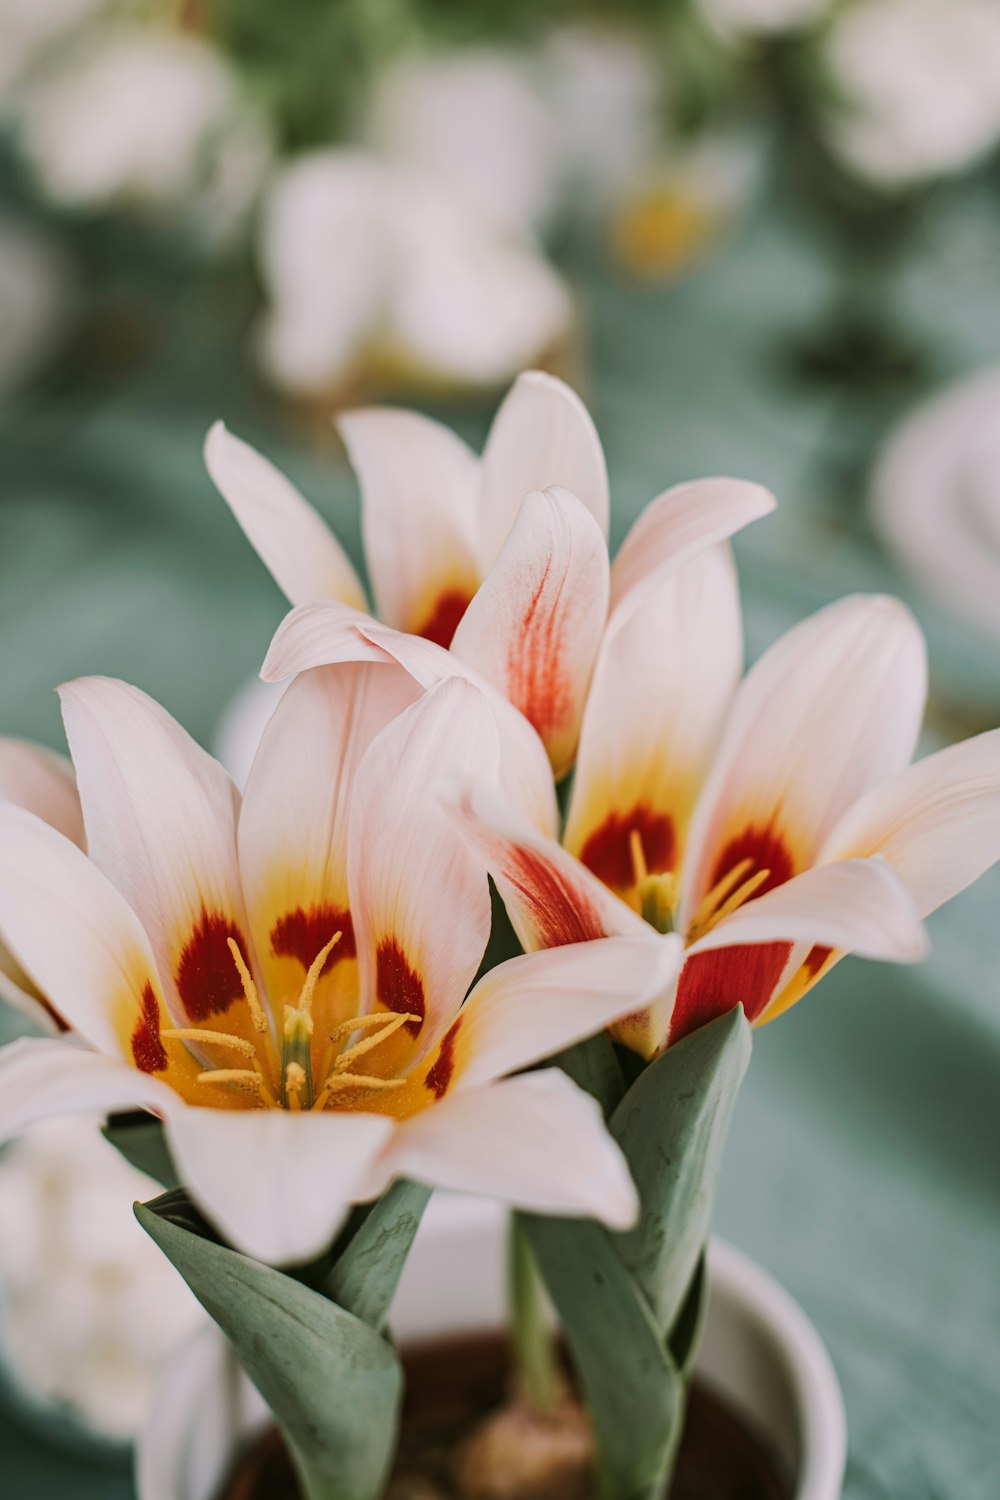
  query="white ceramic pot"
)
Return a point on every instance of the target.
[{"x": 759, "y": 1351}]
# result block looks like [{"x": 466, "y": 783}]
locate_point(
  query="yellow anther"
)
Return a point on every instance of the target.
[
  {"x": 639, "y": 869},
  {"x": 211, "y": 1039},
  {"x": 257, "y": 1012},
  {"x": 713, "y": 899},
  {"x": 242, "y": 1077},
  {"x": 361, "y": 1023},
  {"x": 747, "y": 889},
  {"x": 352, "y": 1054},
  {"x": 338, "y": 1082},
  {"x": 315, "y": 970}
]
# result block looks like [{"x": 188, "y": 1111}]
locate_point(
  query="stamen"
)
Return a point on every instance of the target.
[
  {"x": 719, "y": 892},
  {"x": 639, "y": 869},
  {"x": 361, "y": 1023},
  {"x": 244, "y": 1078},
  {"x": 704, "y": 921},
  {"x": 345, "y": 1059},
  {"x": 337, "y": 1082},
  {"x": 746, "y": 890},
  {"x": 315, "y": 970},
  {"x": 257, "y": 1012},
  {"x": 211, "y": 1039}
]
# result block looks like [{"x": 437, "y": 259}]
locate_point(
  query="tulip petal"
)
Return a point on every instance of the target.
[
  {"x": 855, "y": 905},
  {"x": 84, "y": 947},
  {"x": 419, "y": 897},
  {"x": 679, "y": 524},
  {"x": 551, "y": 899},
  {"x": 536, "y": 1141},
  {"x": 531, "y": 1007},
  {"x": 294, "y": 826},
  {"x": 296, "y": 546},
  {"x": 45, "y": 1077},
  {"x": 830, "y": 710},
  {"x": 542, "y": 435},
  {"x": 937, "y": 823},
  {"x": 161, "y": 824},
  {"x": 328, "y": 633},
  {"x": 43, "y": 782},
  {"x": 534, "y": 627},
  {"x": 419, "y": 483},
  {"x": 664, "y": 679},
  {"x": 278, "y": 1185}
]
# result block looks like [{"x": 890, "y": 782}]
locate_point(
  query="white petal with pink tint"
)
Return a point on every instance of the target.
[
  {"x": 664, "y": 679},
  {"x": 531, "y": 1007},
  {"x": 71, "y": 930},
  {"x": 542, "y": 435},
  {"x": 551, "y": 899},
  {"x": 937, "y": 823},
  {"x": 536, "y": 1141},
  {"x": 534, "y": 627},
  {"x": 294, "y": 543},
  {"x": 328, "y": 633},
  {"x": 678, "y": 524},
  {"x": 419, "y": 484},
  {"x": 857, "y": 905},
  {"x": 419, "y": 897},
  {"x": 830, "y": 710},
  {"x": 42, "y": 1077},
  {"x": 43, "y": 782},
  {"x": 278, "y": 1185},
  {"x": 160, "y": 815}
]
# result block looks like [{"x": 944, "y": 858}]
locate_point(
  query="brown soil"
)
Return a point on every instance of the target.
[{"x": 462, "y": 1440}]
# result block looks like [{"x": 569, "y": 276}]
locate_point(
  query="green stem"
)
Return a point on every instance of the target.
[{"x": 535, "y": 1360}]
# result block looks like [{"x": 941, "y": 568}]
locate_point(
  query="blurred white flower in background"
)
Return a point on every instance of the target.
[
  {"x": 144, "y": 119},
  {"x": 746, "y": 18},
  {"x": 37, "y": 301},
  {"x": 472, "y": 120},
  {"x": 89, "y": 1308},
  {"x": 920, "y": 86},
  {"x": 30, "y": 27},
  {"x": 936, "y": 498},
  {"x": 368, "y": 263}
]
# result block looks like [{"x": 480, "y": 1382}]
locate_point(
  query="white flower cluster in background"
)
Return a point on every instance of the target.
[
  {"x": 920, "y": 85},
  {"x": 139, "y": 118},
  {"x": 748, "y": 18},
  {"x": 90, "y": 1309},
  {"x": 37, "y": 300}
]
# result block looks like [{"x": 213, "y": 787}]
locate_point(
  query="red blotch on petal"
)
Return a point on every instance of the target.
[
  {"x": 399, "y": 987},
  {"x": 559, "y": 912},
  {"x": 713, "y": 983},
  {"x": 444, "y": 619},
  {"x": 148, "y": 1050},
  {"x": 304, "y": 934},
  {"x": 440, "y": 1075},
  {"x": 207, "y": 978},
  {"x": 815, "y": 959},
  {"x": 765, "y": 848},
  {"x": 608, "y": 850}
]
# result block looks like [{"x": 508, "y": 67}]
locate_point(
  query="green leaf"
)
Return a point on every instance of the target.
[
  {"x": 333, "y": 1383},
  {"x": 672, "y": 1126},
  {"x": 685, "y": 1335},
  {"x": 141, "y": 1140},
  {"x": 632, "y": 1387},
  {"x": 594, "y": 1065},
  {"x": 364, "y": 1276}
]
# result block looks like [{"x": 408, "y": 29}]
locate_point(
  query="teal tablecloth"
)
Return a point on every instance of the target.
[{"x": 864, "y": 1167}]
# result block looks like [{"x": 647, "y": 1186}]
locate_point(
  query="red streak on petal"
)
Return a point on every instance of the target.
[
  {"x": 608, "y": 850},
  {"x": 713, "y": 983},
  {"x": 207, "y": 979},
  {"x": 439, "y": 1076},
  {"x": 537, "y": 682},
  {"x": 303, "y": 934},
  {"x": 399, "y": 988},
  {"x": 815, "y": 959},
  {"x": 444, "y": 619},
  {"x": 147, "y": 1047},
  {"x": 559, "y": 912}
]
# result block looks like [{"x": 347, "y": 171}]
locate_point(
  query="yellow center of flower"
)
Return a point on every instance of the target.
[
  {"x": 287, "y": 1082},
  {"x": 656, "y": 895}
]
